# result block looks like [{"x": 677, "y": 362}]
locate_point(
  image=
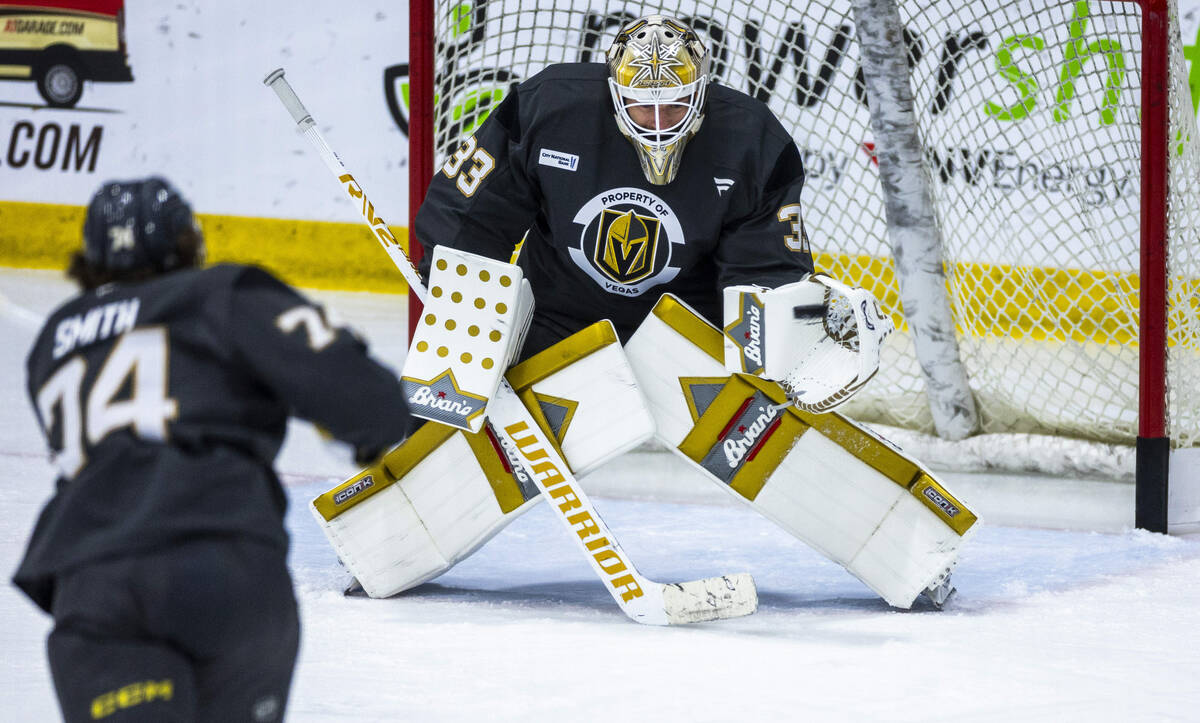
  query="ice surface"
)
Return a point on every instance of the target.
[{"x": 1047, "y": 624}]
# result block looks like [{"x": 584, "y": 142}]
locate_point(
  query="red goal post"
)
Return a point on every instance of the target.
[
  {"x": 1153, "y": 442},
  {"x": 1063, "y": 165}
]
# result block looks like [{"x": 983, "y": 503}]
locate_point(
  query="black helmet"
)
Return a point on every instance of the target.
[{"x": 137, "y": 226}]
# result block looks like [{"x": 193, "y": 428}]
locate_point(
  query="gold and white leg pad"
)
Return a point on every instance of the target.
[
  {"x": 583, "y": 392},
  {"x": 427, "y": 504},
  {"x": 829, "y": 482},
  {"x": 444, "y": 492},
  {"x": 472, "y": 327}
]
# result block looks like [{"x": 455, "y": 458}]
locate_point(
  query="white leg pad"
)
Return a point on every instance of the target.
[
  {"x": 443, "y": 493},
  {"x": 583, "y": 392},
  {"x": 837, "y": 486},
  {"x": 857, "y": 517},
  {"x": 395, "y": 533}
]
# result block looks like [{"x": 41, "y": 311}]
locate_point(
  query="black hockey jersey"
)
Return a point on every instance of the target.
[
  {"x": 602, "y": 241},
  {"x": 165, "y": 403}
]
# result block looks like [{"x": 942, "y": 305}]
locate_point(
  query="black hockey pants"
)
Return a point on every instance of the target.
[{"x": 205, "y": 630}]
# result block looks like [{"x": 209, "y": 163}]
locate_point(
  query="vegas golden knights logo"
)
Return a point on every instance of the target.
[
  {"x": 626, "y": 245},
  {"x": 627, "y": 238}
]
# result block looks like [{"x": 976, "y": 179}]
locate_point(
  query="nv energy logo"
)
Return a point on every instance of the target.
[{"x": 625, "y": 241}]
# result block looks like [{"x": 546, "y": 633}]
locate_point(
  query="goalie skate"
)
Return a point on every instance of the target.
[{"x": 940, "y": 591}]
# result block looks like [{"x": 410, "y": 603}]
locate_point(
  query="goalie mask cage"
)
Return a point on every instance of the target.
[{"x": 1059, "y": 161}]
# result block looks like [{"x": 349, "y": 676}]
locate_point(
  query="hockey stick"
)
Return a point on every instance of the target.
[{"x": 641, "y": 599}]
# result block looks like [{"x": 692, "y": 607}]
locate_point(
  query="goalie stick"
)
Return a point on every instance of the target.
[{"x": 641, "y": 599}]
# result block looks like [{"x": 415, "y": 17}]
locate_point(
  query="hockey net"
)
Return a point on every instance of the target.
[{"x": 1030, "y": 117}]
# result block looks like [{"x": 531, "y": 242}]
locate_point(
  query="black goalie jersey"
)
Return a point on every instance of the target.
[
  {"x": 602, "y": 241},
  {"x": 166, "y": 401}
]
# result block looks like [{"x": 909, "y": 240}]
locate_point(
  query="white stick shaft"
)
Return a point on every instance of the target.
[
  {"x": 641, "y": 599},
  {"x": 304, "y": 120}
]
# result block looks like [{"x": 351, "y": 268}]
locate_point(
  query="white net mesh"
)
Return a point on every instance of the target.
[{"x": 1029, "y": 112}]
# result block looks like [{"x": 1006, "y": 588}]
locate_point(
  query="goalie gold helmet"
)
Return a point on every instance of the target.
[{"x": 658, "y": 75}]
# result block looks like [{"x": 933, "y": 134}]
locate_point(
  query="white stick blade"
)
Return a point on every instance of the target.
[{"x": 713, "y": 598}]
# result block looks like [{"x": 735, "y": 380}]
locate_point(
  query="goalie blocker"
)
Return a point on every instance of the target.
[
  {"x": 472, "y": 328},
  {"x": 834, "y": 485}
]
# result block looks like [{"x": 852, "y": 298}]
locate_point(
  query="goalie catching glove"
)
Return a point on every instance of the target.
[{"x": 817, "y": 337}]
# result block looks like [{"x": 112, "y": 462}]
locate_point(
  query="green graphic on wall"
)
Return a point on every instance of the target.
[{"x": 1191, "y": 53}]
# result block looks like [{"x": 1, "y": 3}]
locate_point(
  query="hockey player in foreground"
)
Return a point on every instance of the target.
[
  {"x": 164, "y": 391},
  {"x": 653, "y": 204}
]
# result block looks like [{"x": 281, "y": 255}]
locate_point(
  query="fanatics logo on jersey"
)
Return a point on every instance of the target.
[
  {"x": 723, "y": 185},
  {"x": 625, "y": 241},
  {"x": 558, "y": 159}
]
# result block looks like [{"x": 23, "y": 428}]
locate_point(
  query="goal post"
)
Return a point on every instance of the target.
[
  {"x": 420, "y": 129},
  {"x": 1058, "y": 145},
  {"x": 1153, "y": 445}
]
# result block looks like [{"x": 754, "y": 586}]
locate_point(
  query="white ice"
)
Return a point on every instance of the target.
[{"x": 1048, "y": 624}]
